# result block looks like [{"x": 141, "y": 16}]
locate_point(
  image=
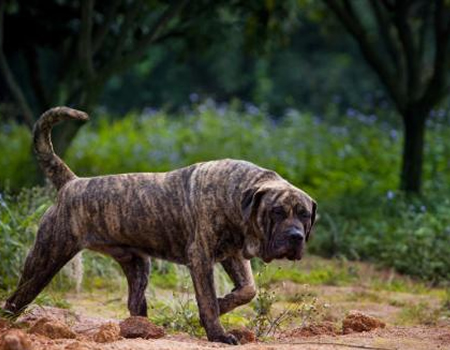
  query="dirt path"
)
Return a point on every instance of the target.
[
  {"x": 391, "y": 337},
  {"x": 415, "y": 318},
  {"x": 415, "y": 337}
]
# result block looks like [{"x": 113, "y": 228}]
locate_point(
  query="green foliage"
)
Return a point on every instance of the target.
[
  {"x": 445, "y": 307},
  {"x": 324, "y": 159},
  {"x": 302, "y": 308},
  {"x": 420, "y": 313},
  {"x": 329, "y": 275},
  {"x": 350, "y": 167},
  {"x": 16, "y": 159},
  {"x": 165, "y": 277},
  {"x": 19, "y": 217},
  {"x": 410, "y": 235},
  {"x": 52, "y": 299},
  {"x": 181, "y": 315}
]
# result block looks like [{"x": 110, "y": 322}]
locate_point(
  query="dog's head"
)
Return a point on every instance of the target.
[{"x": 279, "y": 218}]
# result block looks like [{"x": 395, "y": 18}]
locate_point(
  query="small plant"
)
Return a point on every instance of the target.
[
  {"x": 52, "y": 299},
  {"x": 446, "y": 303},
  {"x": 364, "y": 295},
  {"x": 181, "y": 315},
  {"x": 301, "y": 309},
  {"x": 420, "y": 313},
  {"x": 7, "y": 315},
  {"x": 19, "y": 217}
]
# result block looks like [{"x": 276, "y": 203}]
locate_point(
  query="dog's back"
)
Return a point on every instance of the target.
[{"x": 157, "y": 211}]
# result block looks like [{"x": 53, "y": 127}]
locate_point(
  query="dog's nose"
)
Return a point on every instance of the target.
[{"x": 295, "y": 234}]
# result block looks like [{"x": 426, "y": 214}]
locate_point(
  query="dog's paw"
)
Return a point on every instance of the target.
[{"x": 225, "y": 338}]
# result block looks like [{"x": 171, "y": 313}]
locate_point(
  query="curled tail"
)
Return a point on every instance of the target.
[{"x": 54, "y": 168}]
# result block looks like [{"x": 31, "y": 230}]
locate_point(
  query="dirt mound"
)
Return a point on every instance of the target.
[
  {"x": 15, "y": 339},
  {"x": 324, "y": 328},
  {"x": 52, "y": 329},
  {"x": 359, "y": 322},
  {"x": 107, "y": 333},
  {"x": 243, "y": 335},
  {"x": 140, "y": 327}
]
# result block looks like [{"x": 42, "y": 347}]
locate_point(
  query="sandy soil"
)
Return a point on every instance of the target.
[
  {"x": 56, "y": 329},
  {"x": 358, "y": 316}
]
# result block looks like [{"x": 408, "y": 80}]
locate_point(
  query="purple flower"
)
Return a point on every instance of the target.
[
  {"x": 393, "y": 134},
  {"x": 351, "y": 112},
  {"x": 149, "y": 111},
  {"x": 251, "y": 109},
  {"x": 193, "y": 97}
]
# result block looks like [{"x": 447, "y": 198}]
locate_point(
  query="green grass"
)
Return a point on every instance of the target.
[
  {"x": 166, "y": 278},
  {"x": 420, "y": 313},
  {"x": 329, "y": 275}
]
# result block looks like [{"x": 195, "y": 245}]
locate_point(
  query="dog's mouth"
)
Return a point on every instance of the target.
[
  {"x": 296, "y": 254},
  {"x": 283, "y": 250}
]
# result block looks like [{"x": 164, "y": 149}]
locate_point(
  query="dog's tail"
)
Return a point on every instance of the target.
[{"x": 54, "y": 168}]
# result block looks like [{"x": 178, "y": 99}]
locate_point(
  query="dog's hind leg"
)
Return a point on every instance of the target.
[
  {"x": 240, "y": 272},
  {"x": 136, "y": 267},
  {"x": 53, "y": 248}
]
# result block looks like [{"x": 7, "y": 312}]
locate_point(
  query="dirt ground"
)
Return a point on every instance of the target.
[
  {"x": 359, "y": 316},
  {"x": 85, "y": 328}
]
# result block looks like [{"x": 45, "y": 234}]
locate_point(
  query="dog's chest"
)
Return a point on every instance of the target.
[{"x": 229, "y": 242}]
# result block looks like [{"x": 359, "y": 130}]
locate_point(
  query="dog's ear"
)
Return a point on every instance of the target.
[
  {"x": 313, "y": 219},
  {"x": 250, "y": 202},
  {"x": 251, "y": 199}
]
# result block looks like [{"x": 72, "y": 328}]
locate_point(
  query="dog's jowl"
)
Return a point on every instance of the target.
[{"x": 225, "y": 211}]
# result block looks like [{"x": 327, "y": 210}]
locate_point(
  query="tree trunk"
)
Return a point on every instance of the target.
[{"x": 413, "y": 149}]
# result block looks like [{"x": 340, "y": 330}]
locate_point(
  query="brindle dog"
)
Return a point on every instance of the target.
[{"x": 225, "y": 211}]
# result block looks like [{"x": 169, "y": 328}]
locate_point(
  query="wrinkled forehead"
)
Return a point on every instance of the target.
[{"x": 289, "y": 197}]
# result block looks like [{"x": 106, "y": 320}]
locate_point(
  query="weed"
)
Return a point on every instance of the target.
[
  {"x": 364, "y": 295},
  {"x": 181, "y": 316},
  {"x": 52, "y": 299},
  {"x": 302, "y": 308},
  {"x": 446, "y": 303},
  {"x": 397, "y": 303},
  {"x": 399, "y": 284},
  {"x": 329, "y": 274},
  {"x": 164, "y": 275},
  {"x": 420, "y": 313},
  {"x": 19, "y": 217}
]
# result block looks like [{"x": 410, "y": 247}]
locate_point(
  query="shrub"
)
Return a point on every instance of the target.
[
  {"x": 411, "y": 235},
  {"x": 351, "y": 168},
  {"x": 19, "y": 217}
]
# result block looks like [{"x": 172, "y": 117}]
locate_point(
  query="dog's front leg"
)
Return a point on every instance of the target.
[
  {"x": 201, "y": 268},
  {"x": 240, "y": 272}
]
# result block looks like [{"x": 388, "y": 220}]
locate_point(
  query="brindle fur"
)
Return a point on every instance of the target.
[{"x": 218, "y": 211}]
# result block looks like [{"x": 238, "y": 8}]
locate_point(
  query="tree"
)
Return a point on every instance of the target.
[
  {"x": 406, "y": 43},
  {"x": 85, "y": 43},
  {"x": 63, "y": 52}
]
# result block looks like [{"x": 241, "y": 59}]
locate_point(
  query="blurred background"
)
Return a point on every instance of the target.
[{"x": 346, "y": 99}]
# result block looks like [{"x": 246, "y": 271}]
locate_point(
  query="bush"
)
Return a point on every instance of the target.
[
  {"x": 351, "y": 169},
  {"x": 410, "y": 234},
  {"x": 19, "y": 217},
  {"x": 16, "y": 159}
]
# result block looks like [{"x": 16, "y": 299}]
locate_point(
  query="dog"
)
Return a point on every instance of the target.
[{"x": 225, "y": 211}]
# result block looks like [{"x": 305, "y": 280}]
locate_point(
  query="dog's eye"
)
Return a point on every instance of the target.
[
  {"x": 303, "y": 214},
  {"x": 278, "y": 212}
]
